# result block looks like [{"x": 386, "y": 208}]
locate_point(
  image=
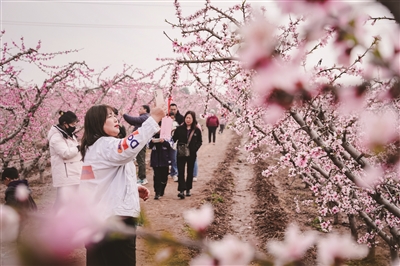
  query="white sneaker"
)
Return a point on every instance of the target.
[
  {"x": 194, "y": 179},
  {"x": 144, "y": 181},
  {"x": 175, "y": 178}
]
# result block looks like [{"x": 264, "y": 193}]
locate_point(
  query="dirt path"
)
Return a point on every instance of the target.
[
  {"x": 243, "y": 198},
  {"x": 166, "y": 215}
]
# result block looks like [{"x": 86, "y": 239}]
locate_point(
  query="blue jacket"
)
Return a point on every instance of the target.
[{"x": 160, "y": 153}]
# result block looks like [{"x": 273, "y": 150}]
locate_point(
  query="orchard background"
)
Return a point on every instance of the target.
[{"x": 321, "y": 88}]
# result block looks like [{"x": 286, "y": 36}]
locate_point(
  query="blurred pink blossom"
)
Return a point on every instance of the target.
[
  {"x": 378, "y": 129},
  {"x": 350, "y": 101},
  {"x": 259, "y": 43},
  {"x": 200, "y": 219},
  {"x": 22, "y": 192},
  {"x": 9, "y": 224},
  {"x": 373, "y": 176},
  {"x": 203, "y": 260},
  {"x": 273, "y": 114},
  {"x": 336, "y": 248},
  {"x": 70, "y": 226},
  {"x": 231, "y": 251},
  {"x": 293, "y": 247}
]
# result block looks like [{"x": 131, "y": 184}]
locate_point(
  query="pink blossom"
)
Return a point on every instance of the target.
[
  {"x": 293, "y": 247},
  {"x": 335, "y": 248},
  {"x": 200, "y": 219},
  {"x": 231, "y": 251},
  {"x": 302, "y": 159},
  {"x": 9, "y": 224}
]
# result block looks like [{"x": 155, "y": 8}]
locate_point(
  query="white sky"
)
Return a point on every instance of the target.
[{"x": 109, "y": 33}]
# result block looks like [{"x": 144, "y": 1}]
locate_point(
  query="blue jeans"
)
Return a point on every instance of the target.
[
  {"x": 174, "y": 166},
  {"x": 195, "y": 168}
]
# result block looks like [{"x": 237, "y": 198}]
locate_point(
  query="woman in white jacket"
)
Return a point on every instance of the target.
[
  {"x": 66, "y": 163},
  {"x": 109, "y": 178}
]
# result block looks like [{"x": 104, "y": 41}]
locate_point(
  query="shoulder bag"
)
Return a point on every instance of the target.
[{"x": 183, "y": 148}]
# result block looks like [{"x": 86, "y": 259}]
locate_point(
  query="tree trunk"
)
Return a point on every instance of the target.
[
  {"x": 353, "y": 226},
  {"x": 394, "y": 256}
]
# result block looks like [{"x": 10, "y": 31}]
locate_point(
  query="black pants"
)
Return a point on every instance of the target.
[
  {"x": 160, "y": 178},
  {"x": 141, "y": 161},
  {"x": 211, "y": 132},
  {"x": 188, "y": 183},
  {"x": 221, "y": 128},
  {"x": 113, "y": 252}
]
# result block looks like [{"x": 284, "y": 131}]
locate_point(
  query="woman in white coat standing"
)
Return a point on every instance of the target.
[{"x": 66, "y": 159}]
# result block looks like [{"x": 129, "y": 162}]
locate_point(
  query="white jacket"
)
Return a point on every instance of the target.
[
  {"x": 66, "y": 164},
  {"x": 109, "y": 175}
]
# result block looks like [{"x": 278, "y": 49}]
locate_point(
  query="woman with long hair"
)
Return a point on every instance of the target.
[
  {"x": 109, "y": 178},
  {"x": 183, "y": 133}
]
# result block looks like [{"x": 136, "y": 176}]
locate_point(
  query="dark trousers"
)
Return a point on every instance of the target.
[
  {"x": 160, "y": 178},
  {"x": 211, "y": 132},
  {"x": 141, "y": 161},
  {"x": 221, "y": 128},
  {"x": 182, "y": 162},
  {"x": 113, "y": 252}
]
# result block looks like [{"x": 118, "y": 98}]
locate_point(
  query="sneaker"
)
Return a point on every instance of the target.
[
  {"x": 194, "y": 179},
  {"x": 144, "y": 181},
  {"x": 156, "y": 197},
  {"x": 140, "y": 181},
  {"x": 175, "y": 178}
]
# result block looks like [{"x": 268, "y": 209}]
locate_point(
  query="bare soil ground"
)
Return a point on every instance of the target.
[{"x": 246, "y": 204}]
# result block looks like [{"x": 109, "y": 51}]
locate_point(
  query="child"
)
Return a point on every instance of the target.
[
  {"x": 159, "y": 160},
  {"x": 10, "y": 178},
  {"x": 109, "y": 178}
]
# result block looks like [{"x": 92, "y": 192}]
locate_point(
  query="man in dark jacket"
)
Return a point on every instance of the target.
[
  {"x": 10, "y": 178},
  {"x": 136, "y": 122},
  {"x": 178, "y": 116}
]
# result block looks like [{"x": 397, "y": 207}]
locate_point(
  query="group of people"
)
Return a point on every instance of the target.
[{"x": 101, "y": 165}]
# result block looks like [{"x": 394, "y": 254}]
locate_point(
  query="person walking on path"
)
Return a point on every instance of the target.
[
  {"x": 159, "y": 160},
  {"x": 222, "y": 123},
  {"x": 109, "y": 179},
  {"x": 212, "y": 124},
  {"x": 66, "y": 160},
  {"x": 178, "y": 117},
  {"x": 188, "y": 130},
  {"x": 136, "y": 122}
]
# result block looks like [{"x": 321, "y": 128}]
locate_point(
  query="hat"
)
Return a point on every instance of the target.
[{"x": 212, "y": 111}]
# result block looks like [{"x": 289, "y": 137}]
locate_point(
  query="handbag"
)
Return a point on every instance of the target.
[{"x": 183, "y": 148}]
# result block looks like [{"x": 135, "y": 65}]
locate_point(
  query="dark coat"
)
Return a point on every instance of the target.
[
  {"x": 179, "y": 118},
  {"x": 136, "y": 121},
  {"x": 181, "y": 135},
  {"x": 12, "y": 201},
  {"x": 160, "y": 153}
]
